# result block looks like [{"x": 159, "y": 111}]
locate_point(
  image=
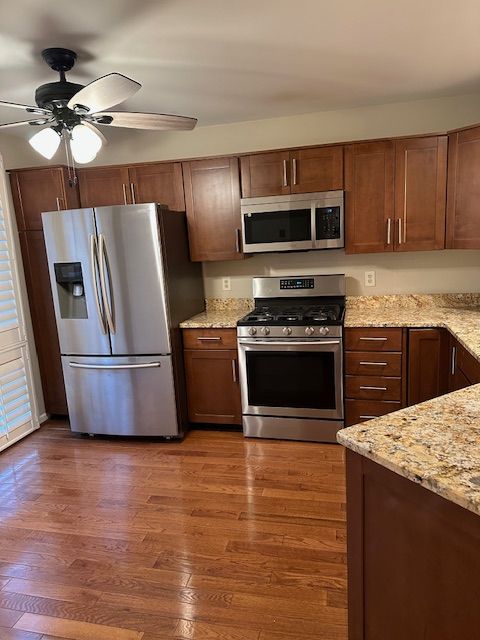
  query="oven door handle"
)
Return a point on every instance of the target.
[{"x": 279, "y": 343}]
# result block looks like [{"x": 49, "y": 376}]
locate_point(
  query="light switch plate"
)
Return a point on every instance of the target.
[
  {"x": 370, "y": 279},
  {"x": 226, "y": 284}
]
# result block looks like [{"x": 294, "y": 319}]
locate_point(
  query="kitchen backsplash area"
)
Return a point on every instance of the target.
[{"x": 410, "y": 272}]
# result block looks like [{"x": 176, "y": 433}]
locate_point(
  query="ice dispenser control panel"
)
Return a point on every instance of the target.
[{"x": 70, "y": 289}]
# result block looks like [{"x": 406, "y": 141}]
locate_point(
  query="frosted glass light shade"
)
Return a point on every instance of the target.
[
  {"x": 84, "y": 143},
  {"x": 46, "y": 142}
]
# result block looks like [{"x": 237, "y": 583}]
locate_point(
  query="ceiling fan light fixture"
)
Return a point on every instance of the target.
[
  {"x": 84, "y": 143},
  {"x": 46, "y": 142}
]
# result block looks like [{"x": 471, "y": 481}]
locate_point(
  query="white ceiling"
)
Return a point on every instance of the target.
[{"x": 234, "y": 60}]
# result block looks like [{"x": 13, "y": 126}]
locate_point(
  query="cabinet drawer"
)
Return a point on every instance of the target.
[
  {"x": 373, "y": 388},
  {"x": 468, "y": 365},
  {"x": 360, "y": 410},
  {"x": 210, "y": 338},
  {"x": 370, "y": 363},
  {"x": 373, "y": 339}
]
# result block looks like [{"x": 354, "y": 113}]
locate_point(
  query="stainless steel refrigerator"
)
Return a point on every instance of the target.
[{"x": 122, "y": 281}]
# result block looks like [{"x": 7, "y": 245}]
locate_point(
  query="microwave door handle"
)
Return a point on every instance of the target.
[
  {"x": 94, "y": 264},
  {"x": 104, "y": 273}
]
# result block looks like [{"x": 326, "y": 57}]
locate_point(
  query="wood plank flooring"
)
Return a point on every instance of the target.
[{"x": 212, "y": 538}]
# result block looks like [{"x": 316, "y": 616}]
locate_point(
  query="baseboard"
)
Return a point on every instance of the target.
[{"x": 43, "y": 418}]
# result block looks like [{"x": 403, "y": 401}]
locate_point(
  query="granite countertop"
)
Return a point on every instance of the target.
[{"x": 435, "y": 443}]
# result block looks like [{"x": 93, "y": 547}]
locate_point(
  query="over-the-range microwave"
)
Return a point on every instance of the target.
[{"x": 293, "y": 222}]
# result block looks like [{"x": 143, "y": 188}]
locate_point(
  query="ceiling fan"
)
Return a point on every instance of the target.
[{"x": 73, "y": 111}]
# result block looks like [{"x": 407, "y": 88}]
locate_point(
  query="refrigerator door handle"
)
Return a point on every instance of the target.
[
  {"x": 95, "y": 270},
  {"x": 104, "y": 272},
  {"x": 143, "y": 365}
]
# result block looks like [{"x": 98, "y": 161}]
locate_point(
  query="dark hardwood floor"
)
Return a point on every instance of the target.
[{"x": 213, "y": 538}]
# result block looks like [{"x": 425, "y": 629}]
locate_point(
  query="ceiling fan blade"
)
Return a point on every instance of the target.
[
  {"x": 154, "y": 121},
  {"x": 38, "y": 122},
  {"x": 96, "y": 130},
  {"x": 25, "y": 107},
  {"x": 103, "y": 93}
]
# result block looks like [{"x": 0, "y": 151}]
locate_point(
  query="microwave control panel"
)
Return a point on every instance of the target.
[{"x": 327, "y": 223}]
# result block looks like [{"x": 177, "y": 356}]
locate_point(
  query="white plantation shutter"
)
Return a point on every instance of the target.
[{"x": 18, "y": 414}]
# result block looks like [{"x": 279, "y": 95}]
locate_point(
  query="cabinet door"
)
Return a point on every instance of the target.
[
  {"x": 212, "y": 203},
  {"x": 161, "y": 183},
  {"x": 420, "y": 193},
  {"x": 427, "y": 364},
  {"x": 369, "y": 197},
  {"x": 104, "y": 186},
  {"x": 213, "y": 391},
  {"x": 463, "y": 196},
  {"x": 317, "y": 169},
  {"x": 37, "y": 190},
  {"x": 43, "y": 320},
  {"x": 265, "y": 174}
]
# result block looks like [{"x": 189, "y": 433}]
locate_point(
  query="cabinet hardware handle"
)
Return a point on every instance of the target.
[
  {"x": 374, "y": 364},
  {"x": 399, "y": 231},
  {"x": 132, "y": 191},
  {"x": 124, "y": 187},
  {"x": 389, "y": 231},
  {"x": 204, "y": 338},
  {"x": 294, "y": 170},
  {"x": 373, "y": 388},
  {"x": 454, "y": 360},
  {"x": 367, "y": 417},
  {"x": 373, "y": 339},
  {"x": 59, "y": 208},
  {"x": 238, "y": 243},
  {"x": 234, "y": 371},
  {"x": 285, "y": 181}
]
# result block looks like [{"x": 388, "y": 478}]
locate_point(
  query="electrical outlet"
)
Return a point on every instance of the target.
[
  {"x": 226, "y": 284},
  {"x": 370, "y": 279}
]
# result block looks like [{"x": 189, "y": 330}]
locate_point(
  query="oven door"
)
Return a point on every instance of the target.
[
  {"x": 277, "y": 226},
  {"x": 291, "y": 378}
]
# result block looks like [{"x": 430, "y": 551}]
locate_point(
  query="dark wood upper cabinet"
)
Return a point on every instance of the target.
[
  {"x": 317, "y": 169},
  {"x": 43, "y": 320},
  {"x": 296, "y": 171},
  {"x": 104, "y": 186},
  {"x": 212, "y": 203},
  {"x": 420, "y": 193},
  {"x": 38, "y": 190},
  {"x": 427, "y": 364},
  {"x": 265, "y": 174},
  {"x": 161, "y": 182},
  {"x": 463, "y": 196},
  {"x": 369, "y": 197}
]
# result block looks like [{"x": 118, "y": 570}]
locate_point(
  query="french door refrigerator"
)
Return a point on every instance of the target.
[{"x": 122, "y": 281}]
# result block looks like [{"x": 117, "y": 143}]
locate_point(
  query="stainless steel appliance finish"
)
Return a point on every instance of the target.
[
  {"x": 291, "y": 358},
  {"x": 122, "y": 281},
  {"x": 296, "y": 222}
]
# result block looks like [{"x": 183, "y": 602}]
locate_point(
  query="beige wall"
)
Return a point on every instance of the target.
[
  {"x": 416, "y": 272},
  {"x": 396, "y": 119}
]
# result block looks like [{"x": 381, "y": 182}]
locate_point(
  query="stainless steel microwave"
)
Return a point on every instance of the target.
[{"x": 293, "y": 222}]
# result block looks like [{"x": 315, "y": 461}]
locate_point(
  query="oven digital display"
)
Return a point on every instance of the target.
[{"x": 297, "y": 283}]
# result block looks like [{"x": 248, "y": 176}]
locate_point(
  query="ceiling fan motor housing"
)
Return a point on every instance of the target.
[{"x": 47, "y": 94}]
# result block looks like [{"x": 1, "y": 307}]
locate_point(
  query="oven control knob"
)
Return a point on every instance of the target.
[
  {"x": 252, "y": 331},
  {"x": 287, "y": 331},
  {"x": 324, "y": 331},
  {"x": 265, "y": 331},
  {"x": 309, "y": 331}
]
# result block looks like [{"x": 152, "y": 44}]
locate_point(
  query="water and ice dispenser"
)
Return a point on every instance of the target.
[{"x": 70, "y": 290}]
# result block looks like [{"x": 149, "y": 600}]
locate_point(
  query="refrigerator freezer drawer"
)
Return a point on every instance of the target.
[{"x": 124, "y": 396}]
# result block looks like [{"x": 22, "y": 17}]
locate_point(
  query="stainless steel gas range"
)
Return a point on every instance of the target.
[{"x": 291, "y": 358}]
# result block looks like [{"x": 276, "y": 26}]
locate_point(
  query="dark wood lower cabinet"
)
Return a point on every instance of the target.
[
  {"x": 427, "y": 364},
  {"x": 213, "y": 391},
  {"x": 43, "y": 320},
  {"x": 413, "y": 559}
]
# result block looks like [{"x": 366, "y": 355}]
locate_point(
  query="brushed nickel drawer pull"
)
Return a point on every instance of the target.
[
  {"x": 206, "y": 339},
  {"x": 285, "y": 181},
  {"x": 454, "y": 360},
  {"x": 374, "y": 339},
  {"x": 389, "y": 231},
  {"x": 374, "y": 364},
  {"x": 373, "y": 388},
  {"x": 294, "y": 170},
  {"x": 234, "y": 371},
  {"x": 368, "y": 417}
]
